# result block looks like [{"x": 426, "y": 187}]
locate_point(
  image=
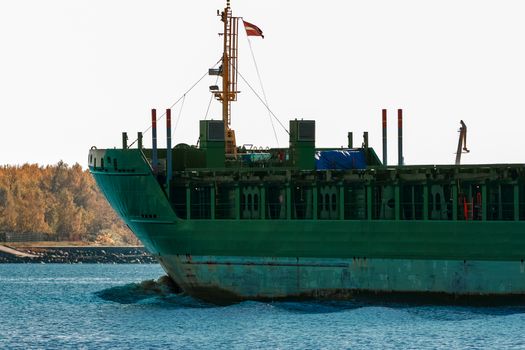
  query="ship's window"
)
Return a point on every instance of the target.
[
  {"x": 250, "y": 203},
  {"x": 115, "y": 163},
  {"x": 326, "y": 204},
  {"x": 334, "y": 202},
  {"x": 109, "y": 160},
  {"x": 438, "y": 201},
  {"x": 255, "y": 202}
]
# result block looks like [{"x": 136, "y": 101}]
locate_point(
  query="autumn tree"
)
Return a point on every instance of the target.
[{"x": 60, "y": 201}]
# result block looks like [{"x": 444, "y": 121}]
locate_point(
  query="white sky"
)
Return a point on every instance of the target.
[{"x": 77, "y": 73}]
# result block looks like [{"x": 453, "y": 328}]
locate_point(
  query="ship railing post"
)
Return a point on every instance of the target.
[
  {"x": 288, "y": 202},
  {"x": 212, "y": 201},
  {"x": 516, "y": 202},
  {"x": 188, "y": 202},
  {"x": 500, "y": 206},
  {"x": 237, "y": 202},
  {"x": 397, "y": 198},
  {"x": 413, "y": 202},
  {"x": 425, "y": 201},
  {"x": 455, "y": 200},
  {"x": 262, "y": 199},
  {"x": 484, "y": 202},
  {"x": 369, "y": 200},
  {"x": 314, "y": 201},
  {"x": 341, "y": 201}
]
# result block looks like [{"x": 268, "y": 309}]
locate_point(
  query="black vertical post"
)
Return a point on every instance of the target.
[
  {"x": 168, "y": 149},
  {"x": 139, "y": 140},
  {"x": 154, "y": 160},
  {"x": 400, "y": 137},
  {"x": 124, "y": 140},
  {"x": 385, "y": 153}
]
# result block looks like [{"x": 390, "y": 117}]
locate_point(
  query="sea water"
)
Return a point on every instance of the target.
[{"x": 58, "y": 306}]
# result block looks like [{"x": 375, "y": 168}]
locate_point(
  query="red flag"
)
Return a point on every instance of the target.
[{"x": 252, "y": 29}]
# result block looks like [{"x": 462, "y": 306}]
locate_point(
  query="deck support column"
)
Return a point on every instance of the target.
[
  {"x": 425, "y": 201},
  {"x": 369, "y": 202},
  {"x": 288, "y": 202},
  {"x": 212, "y": 202},
  {"x": 262, "y": 204},
  {"x": 484, "y": 202},
  {"x": 188, "y": 202},
  {"x": 397, "y": 197},
  {"x": 454, "y": 201},
  {"x": 341, "y": 201},
  {"x": 314, "y": 201},
  {"x": 237, "y": 202},
  {"x": 516, "y": 202}
]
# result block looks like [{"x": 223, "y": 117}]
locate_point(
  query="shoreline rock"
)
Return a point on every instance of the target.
[{"x": 81, "y": 255}]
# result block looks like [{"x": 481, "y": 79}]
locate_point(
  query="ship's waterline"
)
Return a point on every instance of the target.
[{"x": 238, "y": 278}]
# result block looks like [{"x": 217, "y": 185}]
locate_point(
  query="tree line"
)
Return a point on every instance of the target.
[{"x": 60, "y": 201}]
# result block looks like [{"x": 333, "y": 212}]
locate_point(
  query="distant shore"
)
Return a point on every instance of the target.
[{"x": 73, "y": 253}]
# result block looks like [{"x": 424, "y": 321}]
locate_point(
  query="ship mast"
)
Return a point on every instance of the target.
[{"x": 229, "y": 76}]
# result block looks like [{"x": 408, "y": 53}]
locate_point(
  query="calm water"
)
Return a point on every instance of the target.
[{"x": 107, "y": 306}]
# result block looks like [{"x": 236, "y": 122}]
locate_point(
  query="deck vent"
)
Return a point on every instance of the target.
[
  {"x": 215, "y": 130},
  {"x": 306, "y": 130}
]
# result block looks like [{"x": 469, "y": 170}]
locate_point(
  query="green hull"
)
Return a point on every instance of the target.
[
  {"x": 266, "y": 259},
  {"x": 227, "y": 278}
]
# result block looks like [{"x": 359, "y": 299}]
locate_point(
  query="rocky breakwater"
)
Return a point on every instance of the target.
[{"x": 76, "y": 255}]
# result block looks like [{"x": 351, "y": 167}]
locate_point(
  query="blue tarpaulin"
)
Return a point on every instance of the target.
[{"x": 340, "y": 159}]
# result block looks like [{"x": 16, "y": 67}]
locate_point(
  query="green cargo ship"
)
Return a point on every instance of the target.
[{"x": 230, "y": 224}]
